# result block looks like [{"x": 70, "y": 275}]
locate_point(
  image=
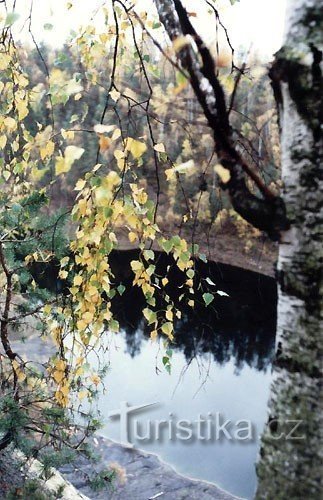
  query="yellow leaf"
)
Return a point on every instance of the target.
[
  {"x": 82, "y": 395},
  {"x": 15, "y": 365},
  {"x": 181, "y": 265},
  {"x": 22, "y": 108},
  {"x": 58, "y": 376},
  {"x": 170, "y": 174},
  {"x": 169, "y": 315},
  {"x": 81, "y": 325},
  {"x": 60, "y": 365},
  {"x": 3, "y": 141},
  {"x": 78, "y": 280},
  {"x": 223, "y": 173},
  {"x": 104, "y": 142},
  {"x": 116, "y": 134},
  {"x": 10, "y": 123},
  {"x": 141, "y": 197},
  {"x": 136, "y": 148},
  {"x": 80, "y": 185},
  {"x": 37, "y": 174},
  {"x": 64, "y": 163},
  {"x": 132, "y": 237},
  {"x": 168, "y": 329},
  {"x": 21, "y": 376},
  {"x": 160, "y": 148},
  {"x": 103, "y": 38},
  {"x": 99, "y": 128},
  {"x": 136, "y": 265},
  {"x": 180, "y": 42},
  {"x": 115, "y": 94},
  {"x": 47, "y": 309},
  {"x": 65, "y": 390},
  {"x": 47, "y": 150},
  {"x": 95, "y": 379},
  {"x": 4, "y": 60},
  {"x": 88, "y": 317},
  {"x": 113, "y": 238},
  {"x": 67, "y": 134},
  {"x": 118, "y": 154},
  {"x": 154, "y": 335},
  {"x": 73, "y": 153}
]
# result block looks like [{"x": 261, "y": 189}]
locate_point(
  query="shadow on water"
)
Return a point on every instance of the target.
[{"x": 240, "y": 327}]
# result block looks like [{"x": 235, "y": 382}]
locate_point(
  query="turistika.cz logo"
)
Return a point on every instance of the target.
[{"x": 211, "y": 427}]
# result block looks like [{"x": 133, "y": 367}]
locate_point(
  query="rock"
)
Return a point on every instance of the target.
[{"x": 146, "y": 477}]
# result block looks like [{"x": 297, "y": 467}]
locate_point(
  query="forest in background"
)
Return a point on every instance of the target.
[{"x": 190, "y": 200}]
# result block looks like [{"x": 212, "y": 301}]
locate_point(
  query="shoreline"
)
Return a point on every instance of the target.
[{"x": 145, "y": 476}]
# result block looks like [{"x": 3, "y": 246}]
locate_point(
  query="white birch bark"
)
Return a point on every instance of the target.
[{"x": 290, "y": 465}]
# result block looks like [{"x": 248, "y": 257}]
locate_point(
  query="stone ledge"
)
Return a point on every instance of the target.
[{"x": 146, "y": 477}]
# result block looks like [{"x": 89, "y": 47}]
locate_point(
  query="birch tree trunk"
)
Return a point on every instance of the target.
[{"x": 290, "y": 464}]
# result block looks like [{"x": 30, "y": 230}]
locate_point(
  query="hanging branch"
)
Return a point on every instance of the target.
[{"x": 266, "y": 212}]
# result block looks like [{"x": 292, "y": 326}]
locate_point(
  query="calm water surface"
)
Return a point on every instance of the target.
[{"x": 221, "y": 368}]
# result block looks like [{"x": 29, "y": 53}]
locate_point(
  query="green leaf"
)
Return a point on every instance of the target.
[
  {"x": 208, "y": 298},
  {"x": 176, "y": 241},
  {"x": 203, "y": 257},
  {"x": 150, "y": 270},
  {"x": 167, "y": 245},
  {"x": 150, "y": 315},
  {"x": 114, "y": 325},
  {"x": 167, "y": 328},
  {"x": 121, "y": 288},
  {"x": 11, "y": 18},
  {"x": 222, "y": 294},
  {"x": 108, "y": 211},
  {"x": 210, "y": 282},
  {"x": 149, "y": 254},
  {"x": 165, "y": 360},
  {"x": 166, "y": 363},
  {"x": 180, "y": 78}
]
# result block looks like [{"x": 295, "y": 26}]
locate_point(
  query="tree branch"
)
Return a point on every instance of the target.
[{"x": 267, "y": 212}]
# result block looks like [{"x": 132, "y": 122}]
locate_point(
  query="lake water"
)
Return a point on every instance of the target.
[{"x": 221, "y": 370}]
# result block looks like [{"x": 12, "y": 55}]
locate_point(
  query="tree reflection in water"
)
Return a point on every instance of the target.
[{"x": 240, "y": 327}]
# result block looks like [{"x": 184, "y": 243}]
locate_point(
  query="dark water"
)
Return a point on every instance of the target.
[
  {"x": 220, "y": 372},
  {"x": 221, "y": 367}
]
